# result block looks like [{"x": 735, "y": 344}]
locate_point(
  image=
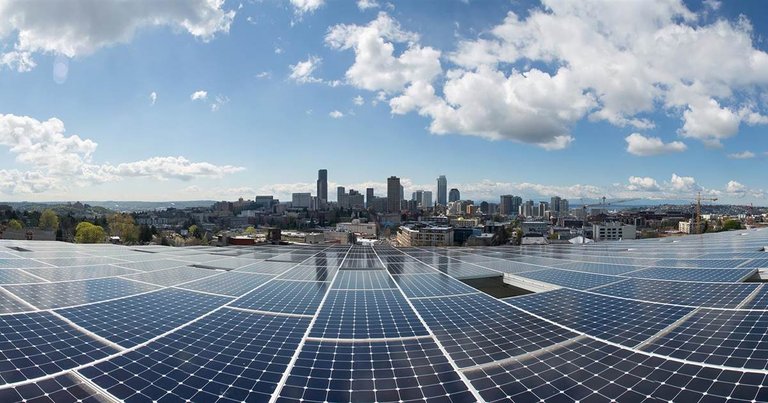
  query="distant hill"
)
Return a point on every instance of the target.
[{"x": 114, "y": 205}]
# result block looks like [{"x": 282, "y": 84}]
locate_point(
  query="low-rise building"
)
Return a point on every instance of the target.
[
  {"x": 613, "y": 231},
  {"x": 421, "y": 235}
]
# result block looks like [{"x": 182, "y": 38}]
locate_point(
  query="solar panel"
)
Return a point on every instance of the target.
[
  {"x": 408, "y": 370},
  {"x": 361, "y": 323}
]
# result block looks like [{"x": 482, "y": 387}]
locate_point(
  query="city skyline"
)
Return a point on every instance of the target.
[{"x": 220, "y": 100}]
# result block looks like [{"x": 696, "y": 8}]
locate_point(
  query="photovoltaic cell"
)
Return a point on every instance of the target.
[
  {"x": 229, "y": 356},
  {"x": 618, "y": 320},
  {"x": 61, "y": 389},
  {"x": 229, "y": 283},
  {"x": 712, "y": 295},
  {"x": 363, "y": 280},
  {"x": 36, "y": 344},
  {"x": 79, "y": 272},
  {"x": 729, "y": 338},
  {"x": 56, "y": 295},
  {"x": 409, "y": 370},
  {"x": 570, "y": 279},
  {"x": 478, "y": 329},
  {"x": 294, "y": 297},
  {"x": 431, "y": 285},
  {"x": 173, "y": 276},
  {"x": 703, "y": 275},
  {"x": 365, "y": 314},
  {"x": 134, "y": 320}
]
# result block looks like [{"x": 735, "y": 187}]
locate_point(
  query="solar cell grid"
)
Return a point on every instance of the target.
[
  {"x": 170, "y": 277},
  {"x": 36, "y": 344},
  {"x": 431, "y": 285},
  {"x": 366, "y": 314},
  {"x": 229, "y": 283},
  {"x": 410, "y": 370},
  {"x": 80, "y": 261},
  {"x": 477, "y": 329},
  {"x": 686, "y": 274},
  {"x": 462, "y": 270},
  {"x": 152, "y": 265},
  {"x": 694, "y": 263},
  {"x": 79, "y": 272},
  {"x": 309, "y": 273},
  {"x": 63, "y": 294},
  {"x": 721, "y": 337},
  {"x": 571, "y": 279},
  {"x": 598, "y": 268},
  {"x": 409, "y": 268},
  {"x": 620, "y": 321},
  {"x": 61, "y": 389},
  {"x": 711, "y": 295},
  {"x": 11, "y": 304},
  {"x": 227, "y": 356},
  {"x": 17, "y": 276},
  {"x": 293, "y": 297},
  {"x": 592, "y": 371},
  {"x": 134, "y": 320},
  {"x": 21, "y": 263},
  {"x": 363, "y": 280}
]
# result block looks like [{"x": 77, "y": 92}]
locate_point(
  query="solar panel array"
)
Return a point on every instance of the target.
[{"x": 665, "y": 319}]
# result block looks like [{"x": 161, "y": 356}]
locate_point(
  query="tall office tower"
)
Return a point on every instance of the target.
[
  {"x": 505, "y": 205},
  {"x": 394, "y": 194},
  {"x": 543, "y": 207},
  {"x": 454, "y": 195},
  {"x": 417, "y": 195},
  {"x": 485, "y": 207},
  {"x": 426, "y": 199},
  {"x": 402, "y": 193},
  {"x": 369, "y": 197},
  {"x": 442, "y": 190},
  {"x": 322, "y": 184},
  {"x": 340, "y": 194},
  {"x": 564, "y": 207},
  {"x": 554, "y": 204},
  {"x": 516, "y": 202}
]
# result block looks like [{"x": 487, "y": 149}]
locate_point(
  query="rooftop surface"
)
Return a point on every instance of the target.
[{"x": 668, "y": 319}]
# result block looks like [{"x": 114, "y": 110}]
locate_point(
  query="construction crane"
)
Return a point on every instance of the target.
[
  {"x": 604, "y": 203},
  {"x": 698, "y": 210}
]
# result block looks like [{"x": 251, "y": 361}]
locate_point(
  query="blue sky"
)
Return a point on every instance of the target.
[{"x": 208, "y": 99}]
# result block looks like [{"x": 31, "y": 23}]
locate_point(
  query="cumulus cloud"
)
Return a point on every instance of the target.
[
  {"x": 306, "y": 6},
  {"x": 744, "y": 155},
  {"x": 358, "y": 100},
  {"x": 301, "y": 72},
  {"x": 336, "y": 114},
  {"x": 683, "y": 183},
  {"x": 80, "y": 27},
  {"x": 638, "y": 144},
  {"x": 645, "y": 183},
  {"x": 531, "y": 78},
  {"x": 367, "y": 4},
  {"x": 152, "y": 97},
  {"x": 736, "y": 188},
  {"x": 58, "y": 161},
  {"x": 199, "y": 95},
  {"x": 376, "y": 66}
]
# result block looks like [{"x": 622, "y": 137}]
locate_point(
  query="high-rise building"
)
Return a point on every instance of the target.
[
  {"x": 505, "y": 205},
  {"x": 454, "y": 195},
  {"x": 426, "y": 199},
  {"x": 355, "y": 200},
  {"x": 442, "y": 190},
  {"x": 402, "y": 193},
  {"x": 322, "y": 184},
  {"x": 301, "y": 200},
  {"x": 554, "y": 204},
  {"x": 341, "y": 197},
  {"x": 394, "y": 194},
  {"x": 369, "y": 197},
  {"x": 417, "y": 195},
  {"x": 564, "y": 208}
]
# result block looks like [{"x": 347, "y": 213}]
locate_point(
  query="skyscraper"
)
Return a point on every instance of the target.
[
  {"x": 394, "y": 194},
  {"x": 442, "y": 190},
  {"x": 426, "y": 199},
  {"x": 322, "y": 184},
  {"x": 340, "y": 193},
  {"x": 505, "y": 205},
  {"x": 554, "y": 204},
  {"x": 368, "y": 197},
  {"x": 454, "y": 195}
]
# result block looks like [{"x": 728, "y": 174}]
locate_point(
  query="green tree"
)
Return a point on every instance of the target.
[
  {"x": 500, "y": 237},
  {"x": 145, "y": 233},
  {"x": 49, "y": 221},
  {"x": 194, "y": 231},
  {"x": 250, "y": 230},
  {"x": 122, "y": 225},
  {"x": 15, "y": 224},
  {"x": 730, "y": 225},
  {"x": 89, "y": 233}
]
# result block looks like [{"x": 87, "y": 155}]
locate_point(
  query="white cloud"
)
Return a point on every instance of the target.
[
  {"x": 264, "y": 75},
  {"x": 683, "y": 184},
  {"x": 638, "y": 183},
  {"x": 735, "y": 187},
  {"x": 638, "y": 144},
  {"x": 618, "y": 62},
  {"x": 744, "y": 155},
  {"x": 199, "y": 95},
  {"x": 336, "y": 115},
  {"x": 218, "y": 102},
  {"x": 152, "y": 97},
  {"x": 376, "y": 67},
  {"x": 301, "y": 72},
  {"x": 306, "y": 6},
  {"x": 58, "y": 161},
  {"x": 367, "y": 4},
  {"x": 17, "y": 60},
  {"x": 80, "y": 27}
]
